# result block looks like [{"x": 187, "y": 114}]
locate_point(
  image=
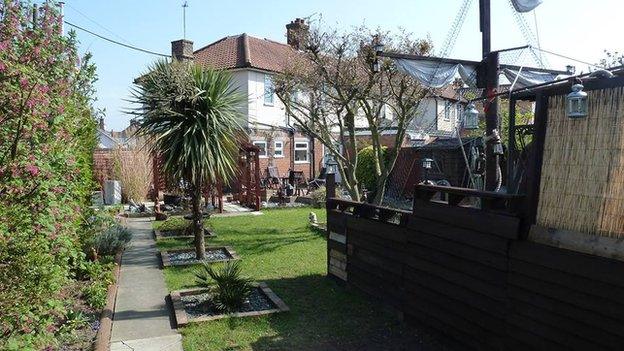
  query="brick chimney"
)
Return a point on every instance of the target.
[
  {"x": 297, "y": 33},
  {"x": 182, "y": 50}
]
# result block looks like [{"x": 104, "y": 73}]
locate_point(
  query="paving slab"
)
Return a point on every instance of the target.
[{"x": 141, "y": 311}]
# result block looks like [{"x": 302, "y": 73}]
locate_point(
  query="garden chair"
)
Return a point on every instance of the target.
[{"x": 272, "y": 177}]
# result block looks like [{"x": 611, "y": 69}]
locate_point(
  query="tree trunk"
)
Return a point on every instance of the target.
[{"x": 198, "y": 223}]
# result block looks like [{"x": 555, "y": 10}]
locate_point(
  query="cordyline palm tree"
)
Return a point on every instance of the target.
[{"x": 191, "y": 118}]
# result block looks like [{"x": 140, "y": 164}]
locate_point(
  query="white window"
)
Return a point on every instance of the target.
[
  {"x": 447, "y": 110},
  {"x": 278, "y": 149},
  {"x": 269, "y": 90},
  {"x": 301, "y": 152},
  {"x": 262, "y": 145}
]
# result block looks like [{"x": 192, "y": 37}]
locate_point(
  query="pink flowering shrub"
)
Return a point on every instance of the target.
[{"x": 47, "y": 135}]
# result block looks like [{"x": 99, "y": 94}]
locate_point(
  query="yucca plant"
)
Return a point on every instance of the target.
[
  {"x": 191, "y": 118},
  {"x": 229, "y": 288}
]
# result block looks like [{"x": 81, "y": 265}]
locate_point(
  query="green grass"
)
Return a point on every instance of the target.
[{"x": 281, "y": 249}]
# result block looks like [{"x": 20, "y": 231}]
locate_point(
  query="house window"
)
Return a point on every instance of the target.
[
  {"x": 278, "y": 149},
  {"x": 269, "y": 90},
  {"x": 447, "y": 110},
  {"x": 262, "y": 145},
  {"x": 301, "y": 152}
]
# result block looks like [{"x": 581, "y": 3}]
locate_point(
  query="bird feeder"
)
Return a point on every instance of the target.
[
  {"x": 498, "y": 148},
  {"x": 332, "y": 166},
  {"x": 471, "y": 117},
  {"x": 577, "y": 102}
]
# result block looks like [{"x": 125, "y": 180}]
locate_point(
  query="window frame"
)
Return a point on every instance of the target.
[
  {"x": 281, "y": 149},
  {"x": 268, "y": 84},
  {"x": 266, "y": 150},
  {"x": 448, "y": 105},
  {"x": 307, "y": 150}
]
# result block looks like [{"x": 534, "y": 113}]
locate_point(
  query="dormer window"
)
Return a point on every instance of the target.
[{"x": 269, "y": 90}]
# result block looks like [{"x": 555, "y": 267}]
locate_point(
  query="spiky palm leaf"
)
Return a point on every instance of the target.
[{"x": 229, "y": 287}]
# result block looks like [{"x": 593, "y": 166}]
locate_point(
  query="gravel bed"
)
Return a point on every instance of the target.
[
  {"x": 199, "y": 305},
  {"x": 189, "y": 256}
]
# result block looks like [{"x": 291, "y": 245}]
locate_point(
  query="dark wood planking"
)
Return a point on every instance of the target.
[
  {"x": 469, "y": 218},
  {"x": 588, "y": 286},
  {"x": 566, "y": 310},
  {"x": 486, "y": 296},
  {"x": 474, "y": 269},
  {"x": 541, "y": 330},
  {"x": 467, "y": 252},
  {"x": 574, "y": 328},
  {"x": 380, "y": 229},
  {"x": 464, "y": 236},
  {"x": 572, "y": 297},
  {"x": 589, "y": 266}
]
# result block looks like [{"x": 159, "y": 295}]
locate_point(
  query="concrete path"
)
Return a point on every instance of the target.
[{"x": 142, "y": 318}]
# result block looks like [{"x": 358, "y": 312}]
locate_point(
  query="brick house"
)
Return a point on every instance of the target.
[{"x": 253, "y": 62}]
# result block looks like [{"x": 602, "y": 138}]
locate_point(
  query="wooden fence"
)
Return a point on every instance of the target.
[{"x": 467, "y": 273}]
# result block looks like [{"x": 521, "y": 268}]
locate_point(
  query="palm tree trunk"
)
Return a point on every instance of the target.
[{"x": 198, "y": 223}]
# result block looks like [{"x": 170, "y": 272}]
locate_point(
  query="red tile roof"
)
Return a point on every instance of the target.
[{"x": 244, "y": 51}]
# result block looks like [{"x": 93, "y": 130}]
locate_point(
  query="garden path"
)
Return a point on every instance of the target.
[{"x": 142, "y": 318}]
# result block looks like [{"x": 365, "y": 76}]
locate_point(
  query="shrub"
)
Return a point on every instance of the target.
[
  {"x": 319, "y": 196},
  {"x": 365, "y": 171},
  {"x": 47, "y": 137},
  {"x": 228, "y": 287},
  {"x": 112, "y": 240}
]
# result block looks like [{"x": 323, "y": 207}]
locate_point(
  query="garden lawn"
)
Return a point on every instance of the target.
[{"x": 281, "y": 249}]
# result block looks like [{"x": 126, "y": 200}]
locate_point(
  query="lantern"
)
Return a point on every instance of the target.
[
  {"x": 577, "y": 102},
  {"x": 471, "y": 117},
  {"x": 332, "y": 166},
  {"x": 427, "y": 163}
]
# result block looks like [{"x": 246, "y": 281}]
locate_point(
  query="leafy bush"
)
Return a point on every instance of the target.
[
  {"x": 95, "y": 294},
  {"x": 229, "y": 288},
  {"x": 112, "y": 240},
  {"x": 318, "y": 197},
  {"x": 365, "y": 171},
  {"x": 47, "y": 137}
]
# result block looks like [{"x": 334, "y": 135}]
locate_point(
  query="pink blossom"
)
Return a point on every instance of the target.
[
  {"x": 32, "y": 169},
  {"x": 24, "y": 82},
  {"x": 2, "y": 67}
]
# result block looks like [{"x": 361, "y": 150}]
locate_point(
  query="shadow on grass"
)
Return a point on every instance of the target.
[{"x": 327, "y": 315}]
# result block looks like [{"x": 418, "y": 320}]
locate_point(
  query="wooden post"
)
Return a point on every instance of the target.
[
  {"x": 491, "y": 119},
  {"x": 257, "y": 181},
  {"x": 248, "y": 199},
  {"x": 484, "y": 24},
  {"x": 534, "y": 172},
  {"x": 330, "y": 188},
  {"x": 511, "y": 147}
]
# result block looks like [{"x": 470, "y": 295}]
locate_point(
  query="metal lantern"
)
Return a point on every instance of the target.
[
  {"x": 471, "y": 117},
  {"x": 376, "y": 66},
  {"x": 332, "y": 166},
  {"x": 427, "y": 163},
  {"x": 577, "y": 102}
]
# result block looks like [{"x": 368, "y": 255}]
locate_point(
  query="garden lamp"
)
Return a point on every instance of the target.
[
  {"x": 471, "y": 117},
  {"x": 576, "y": 102},
  {"x": 427, "y": 163},
  {"x": 332, "y": 166},
  {"x": 498, "y": 148}
]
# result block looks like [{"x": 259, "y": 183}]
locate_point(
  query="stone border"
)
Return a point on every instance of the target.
[
  {"x": 164, "y": 258},
  {"x": 159, "y": 236},
  {"x": 182, "y": 318},
  {"x": 103, "y": 335}
]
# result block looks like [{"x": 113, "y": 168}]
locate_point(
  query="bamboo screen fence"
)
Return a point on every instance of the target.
[{"x": 582, "y": 182}]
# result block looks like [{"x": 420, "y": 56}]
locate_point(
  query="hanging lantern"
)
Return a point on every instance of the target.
[
  {"x": 427, "y": 163},
  {"x": 471, "y": 117},
  {"x": 577, "y": 102}
]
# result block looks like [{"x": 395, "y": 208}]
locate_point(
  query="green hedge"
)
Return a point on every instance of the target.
[{"x": 47, "y": 137}]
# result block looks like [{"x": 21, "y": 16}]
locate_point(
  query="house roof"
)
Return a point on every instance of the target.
[{"x": 245, "y": 51}]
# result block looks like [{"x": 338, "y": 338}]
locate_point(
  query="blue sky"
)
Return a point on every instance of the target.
[{"x": 578, "y": 28}]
